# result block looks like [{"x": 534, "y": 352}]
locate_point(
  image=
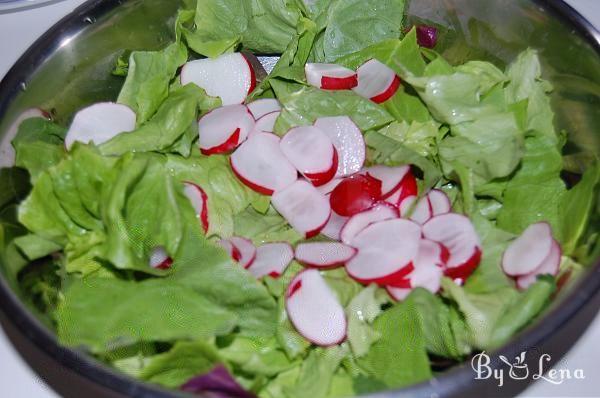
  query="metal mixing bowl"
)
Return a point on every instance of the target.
[{"x": 69, "y": 67}]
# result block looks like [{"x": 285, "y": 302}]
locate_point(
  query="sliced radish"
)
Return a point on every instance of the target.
[
  {"x": 314, "y": 309},
  {"x": 549, "y": 266},
  {"x": 246, "y": 249},
  {"x": 7, "y": 151},
  {"x": 422, "y": 211},
  {"x": 358, "y": 222},
  {"x": 457, "y": 234},
  {"x": 311, "y": 152},
  {"x": 260, "y": 164},
  {"x": 406, "y": 205},
  {"x": 230, "y": 249},
  {"x": 330, "y": 76},
  {"x": 324, "y": 254},
  {"x": 334, "y": 226},
  {"x": 229, "y": 76},
  {"x": 391, "y": 178},
  {"x": 99, "y": 123},
  {"x": 261, "y": 107},
  {"x": 439, "y": 202},
  {"x": 223, "y": 129},
  {"x": 266, "y": 124},
  {"x": 355, "y": 194},
  {"x": 159, "y": 259},
  {"x": 528, "y": 251},
  {"x": 386, "y": 252},
  {"x": 376, "y": 81},
  {"x": 347, "y": 140},
  {"x": 199, "y": 201},
  {"x": 429, "y": 278},
  {"x": 271, "y": 259},
  {"x": 407, "y": 188},
  {"x": 327, "y": 188},
  {"x": 304, "y": 208}
]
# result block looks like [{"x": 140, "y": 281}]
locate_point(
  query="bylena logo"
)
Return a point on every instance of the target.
[{"x": 519, "y": 370}]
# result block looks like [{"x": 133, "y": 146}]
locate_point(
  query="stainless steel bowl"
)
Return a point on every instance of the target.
[{"x": 69, "y": 67}]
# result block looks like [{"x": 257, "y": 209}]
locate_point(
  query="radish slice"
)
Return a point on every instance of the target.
[
  {"x": 391, "y": 177},
  {"x": 199, "y": 201},
  {"x": 376, "y": 81},
  {"x": 314, "y": 309},
  {"x": 246, "y": 249},
  {"x": 271, "y": 259},
  {"x": 549, "y": 266},
  {"x": 304, "y": 208},
  {"x": 262, "y": 107},
  {"x": 457, "y": 234},
  {"x": 433, "y": 204},
  {"x": 324, "y": 254},
  {"x": 7, "y": 151},
  {"x": 422, "y": 211},
  {"x": 528, "y": 252},
  {"x": 99, "y": 123},
  {"x": 407, "y": 188},
  {"x": 326, "y": 189},
  {"x": 260, "y": 164},
  {"x": 386, "y": 252},
  {"x": 311, "y": 152},
  {"x": 230, "y": 249},
  {"x": 229, "y": 76},
  {"x": 406, "y": 205},
  {"x": 429, "y": 278},
  {"x": 355, "y": 194},
  {"x": 159, "y": 259},
  {"x": 334, "y": 226},
  {"x": 330, "y": 76},
  {"x": 223, "y": 129},
  {"x": 360, "y": 221},
  {"x": 266, "y": 124},
  {"x": 347, "y": 140}
]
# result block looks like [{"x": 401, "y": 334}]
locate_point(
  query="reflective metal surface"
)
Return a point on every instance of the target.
[{"x": 69, "y": 67}]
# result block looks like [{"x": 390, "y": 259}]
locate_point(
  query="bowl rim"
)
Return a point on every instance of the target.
[{"x": 450, "y": 382}]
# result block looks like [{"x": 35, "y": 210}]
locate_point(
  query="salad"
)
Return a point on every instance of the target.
[{"x": 360, "y": 218}]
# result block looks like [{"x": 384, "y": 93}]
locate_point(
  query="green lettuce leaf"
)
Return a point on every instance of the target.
[
  {"x": 264, "y": 228},
  {"x": 360, "y": 313},
  {"x": 256, "y": 357}
]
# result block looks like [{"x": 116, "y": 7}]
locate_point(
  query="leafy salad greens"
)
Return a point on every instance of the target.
[{"x": 125, "y": 245}]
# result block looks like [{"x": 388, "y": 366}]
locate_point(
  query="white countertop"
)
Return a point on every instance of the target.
[{"x": 19, "y": 30}]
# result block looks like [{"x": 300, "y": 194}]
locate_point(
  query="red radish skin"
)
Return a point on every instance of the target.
[
  {"x": 355, "y": 194},
  {"x": 311, "y": 152},
  {"x": 159, "y": 259},
  {"x": 199, "y": 201},
  {"x": 528, "y": 251},
  {"x": 229, "y": 76},
  {"x": 314, "y": 310},
  {"x": 463, "y": 271},
  {"x": 377, "y": 81},
  {"x": 391, "y": 178},
  {"x": 246, "y": 250},
  {"x": 260, "y": 164},
  {"x": 550, "y": 266},
  {"x": 223, "y": 129},
  {"x": 386, "y": 252},
  {"x": 334, "y": 226},
  {"x": 272, "y": 259},
  {"x": 230, "y": 249},
  {"x": 262, "y": 107},
  {"x": 324, "y": 255},
  {"x": 389, "y": 93},
  {"x": 330, "y": 76},
  {"x": 100, "y": 123},
  {"x": 303, "y": 207},
  {"x": 348, "y": 142},
  {"x": 358, "y": 222},
  {"x": 407, "y": 188}
]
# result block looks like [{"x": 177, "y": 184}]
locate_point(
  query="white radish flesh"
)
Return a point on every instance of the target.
[
  {"x": 246, "y": 249},
  {"x": 439, "y": 202},
  {"x": 223, "y": 129},
  {"x": 334, "y": 226},
  {"x": 229, "y": 76},
  {"x": 230, "y": 249},
  {"x": 327, "y": 188},
  {"x": 549, "y": 266},
  {"x": 159, "y": 259},
  {"x": 406, "y": 205},
  {"x": 266, "y": 124},
  {"x": 199, "y": 201},
  {"x": 347, "y": 140},
  {"x": 260, "y": 164},
  {"x": 324, "y": 254},
  {"x": 528, "y": 251},
  {"x": 311, "y": 152},
  {"x": 262, "y": 107},
  {"x": 99, "y": 123},
  {"x": 390, "y": 177},
  {"x": 271, "y": 259},
  {"x": 314, "y": 309},
  {"x": 422, "y": 211},
  {"x": 376, "y": 81},
  {"x": 330, "y": 76},
  {"x": 360, "y": 221},
  {"x": 386, "y": 251},
  {"x": 304, "y": 208}
]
